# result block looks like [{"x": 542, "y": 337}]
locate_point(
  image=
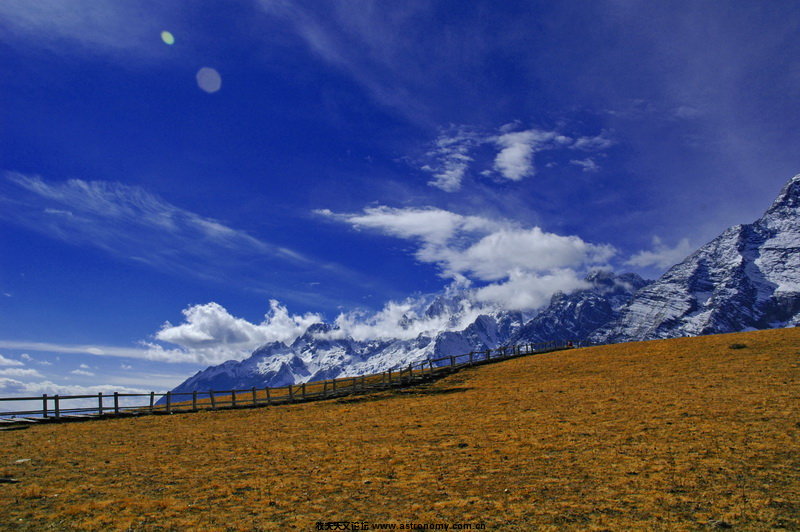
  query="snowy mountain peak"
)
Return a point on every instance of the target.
[{"x": 746, "y": 278}]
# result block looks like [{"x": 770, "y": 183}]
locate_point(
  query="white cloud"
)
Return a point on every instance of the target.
[
  {"x": 105, "y": 350},
  {"x": 210, "y": 334},
  {"x": 9, "y": 362},
  {"x": 596, "y": 143},
  {"x": 515, "y": 159},
  {"x": 454, "y": 152},
  {"x": 126, "y": 367},
  {"x": 19, "y": 372},
  {"x": 661, "y": 255},
  {"x": 404, "y": 320},
  {"x": 588, "y": 164},
  {"x": 451, "y": 158},
  {"x": 483, "y": 249},
  {"x": 82, "y": 372},
  {"x": 498, "y": 254},
  {"x": 26, "y": 356},
  {"x": 9, "y": 386},
  {"x": 526, "y": 290}
]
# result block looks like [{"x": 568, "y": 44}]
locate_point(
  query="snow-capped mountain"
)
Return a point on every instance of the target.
[
  {"x": 324, "y": 352},
  {"x": 575, "y": 316},
  {"x": 746, "y": 278}
]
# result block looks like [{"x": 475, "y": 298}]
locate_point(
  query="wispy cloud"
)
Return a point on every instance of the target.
[
  {"x": 79, "y": 349},
  {"x": 450, "y": 158},
  {"x": 453, "y": 153},
  {"x": 97, "y": 26},
  {"x": 661, "y": 255},
  {"x": 134, "y": 224},
  {"x": 588, "y": 164}
]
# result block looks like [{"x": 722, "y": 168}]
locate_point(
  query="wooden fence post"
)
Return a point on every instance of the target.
[
  {"x": 233, "y": 398},
  {"x": 152, "y": 400},
  {"x": 255, "y": 401},
  {"x": 57, "y": 406},
  {"x": 44, "y": 405},
  {"x": 333, "y": 385},
  {"x": 291, "y": 395},
  {"x": 470, "y": 358},
  {"x": 100, "y": 402},
  {"x": 194, "y": 399},
  {"x": 269, "y": 399},
  {"x": 116, "y": 402},
  {"x": 303, "y": 390},
  {"x": 452, "y": 360},
  {"x": 324, "y": 388},
  {"x": 213, "y": 399},
  {"x": 390, "y": 377},
  {"x": 169, "y": 402}
]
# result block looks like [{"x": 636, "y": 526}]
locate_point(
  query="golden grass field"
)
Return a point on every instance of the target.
[{"x": 681, "y": 434}]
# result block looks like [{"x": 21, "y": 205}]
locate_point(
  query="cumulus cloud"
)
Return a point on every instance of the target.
[
  {"x": 526, "y": 290},
  {"x": 9, "y": 362},
  {"x": 661, "y": 255},
  {"x": 210, "y": 334},
  {"x": 483, "y": 249}
]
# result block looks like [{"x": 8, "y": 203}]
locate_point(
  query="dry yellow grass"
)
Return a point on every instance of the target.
[{"x": 665, "y": 435}]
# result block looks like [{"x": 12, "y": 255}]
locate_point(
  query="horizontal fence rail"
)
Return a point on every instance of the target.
[{"x": 77, "y": 407}]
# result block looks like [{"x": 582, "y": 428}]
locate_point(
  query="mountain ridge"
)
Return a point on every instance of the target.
[{"x": 747, "y": 278}]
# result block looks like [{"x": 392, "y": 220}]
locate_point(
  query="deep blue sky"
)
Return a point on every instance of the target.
[{"x": 358, "y": 153}]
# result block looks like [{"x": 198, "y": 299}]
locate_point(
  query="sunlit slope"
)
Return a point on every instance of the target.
[{"x": 658, "y": 435}]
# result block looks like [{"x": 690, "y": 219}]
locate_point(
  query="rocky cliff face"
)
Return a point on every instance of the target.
[{"x": 747, "y": 278}]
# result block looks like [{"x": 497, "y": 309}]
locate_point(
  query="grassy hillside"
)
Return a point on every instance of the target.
[{"x": 677, "y": 434}]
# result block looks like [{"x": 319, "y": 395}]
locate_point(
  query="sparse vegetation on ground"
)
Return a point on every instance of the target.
[{"x": 679, "y": 434}]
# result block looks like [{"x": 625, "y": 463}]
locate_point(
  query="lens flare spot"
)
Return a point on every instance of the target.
[
  {"x": 209, "y": 79},
  {"x": 167, "y": 37}
]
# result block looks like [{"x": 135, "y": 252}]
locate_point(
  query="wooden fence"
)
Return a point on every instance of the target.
[{"x": 77, "y": 407}]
